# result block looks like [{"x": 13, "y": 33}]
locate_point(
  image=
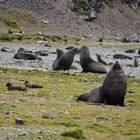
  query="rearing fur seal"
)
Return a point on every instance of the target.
[
  {"x": 88, "y": 64},
  {"x": 115, "y": 86},
  {"x": 64, "y": 60},
  {"x": 113, "y": 90}
]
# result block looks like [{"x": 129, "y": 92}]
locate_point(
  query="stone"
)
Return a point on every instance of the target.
[{"x": 19, "y": 121}]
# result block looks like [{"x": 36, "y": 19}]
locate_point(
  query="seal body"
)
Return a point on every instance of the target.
[
  {"x": 26, "y": 55},
  {"x": 88, "y": 64},
  {"x": 32, "y": 85},
  {"x": 64, "y": 60},
  {"x": 100, "y": 60},
  {"x": 121, "y": 56},
  {"x": 115, "y": 86},
  {"x": 14, "y": 88},
  {"x": 94, "y": 96}
]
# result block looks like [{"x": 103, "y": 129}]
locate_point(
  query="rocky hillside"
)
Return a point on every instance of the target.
[{"x": 108, "y": 18}]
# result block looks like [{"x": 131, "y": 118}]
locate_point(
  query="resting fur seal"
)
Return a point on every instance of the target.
[
  {"x": 88, "y": 64},
  {"x": 115, "y": 86},
  {"x": 64, "y": 60},
  {"x": 11, "y": 87},
  {"x": 31, "y": 85},
  {"x": 121, "y": 56}
]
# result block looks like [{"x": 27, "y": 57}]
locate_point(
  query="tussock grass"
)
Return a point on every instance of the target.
[{"x": 64, "y": 114}]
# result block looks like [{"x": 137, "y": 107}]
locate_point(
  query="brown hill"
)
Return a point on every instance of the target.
[{"x": 65, "y": 17}]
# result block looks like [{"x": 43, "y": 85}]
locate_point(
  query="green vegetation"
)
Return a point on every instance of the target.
[
  {"x": 10, "y": 22},
  {"x": 78, "y": 134},
  {"x": 54, "y": 110},
  {"x": 25, "y": 17}
]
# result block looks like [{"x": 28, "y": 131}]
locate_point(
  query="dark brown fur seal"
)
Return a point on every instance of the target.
[
  {"x": 100, "y": 60},
  {"x": 121, "y": 56},
  {"x": 31, "y": 85},
  {"x": 88, "y": 64},
  {"x": 94, "y": 96},
  {"x": 113, "y": 90},
  {"x": 115, "y": 86},
  {"x": 64, "y": 60},
  {"x": 16, "y": 88},
  {"x": 136, "y": 62}
]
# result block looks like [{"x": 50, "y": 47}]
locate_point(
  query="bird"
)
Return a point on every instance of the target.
[
  {"x": 32, "y": 85},
  {"x": 15, "y": 88}
]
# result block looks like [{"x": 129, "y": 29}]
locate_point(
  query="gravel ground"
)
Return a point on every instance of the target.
[{"x": 7, "y": 60}]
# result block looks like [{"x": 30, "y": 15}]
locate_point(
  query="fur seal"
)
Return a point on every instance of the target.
[
  {"x": 94, "y": 96},
  {"x": 16, "y": 88},
  {"x": 121, "y": 56},
  {"x": 130, "y": 51},
  {"x": 100, "y": 60},
  {"x": 115, "y": 86},
  {"x": 88, "y": 64},
  {"x": 136, "y": 62},
  {"x": 31, "y": 85},
  {"x": 139, "y": 51},
  {"x": 23, "y": 50},
  {"x": 64, "y": 60}
]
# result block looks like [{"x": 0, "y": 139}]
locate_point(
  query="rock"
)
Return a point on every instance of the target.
[
  {"x": 44, "y": 21},
  {"x": 40, "y": 137},
  {"x": 85, "y": 80},
  {"x": 7, "y": 113},
  {"x": 23, "y": 134},
  {"x": 49, "y": 115},
  {"x": 125, "y": 40},
  {"x": 131, "y": 91},
  {"x": 47, "y": 45},
  {"x": 3, "y": 103},
  {"x": 19, "y": 121},
  {"x": 5, "y": 49},
  {"x": 100, "y": 40}
]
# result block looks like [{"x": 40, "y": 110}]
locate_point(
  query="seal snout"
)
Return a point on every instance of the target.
[{"x": 116, "y": 65}]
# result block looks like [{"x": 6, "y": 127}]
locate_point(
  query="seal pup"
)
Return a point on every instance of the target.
[
  {"x": 136, "y": 62},
  {"x": 115, "y": 86},
  {"x": 88, "y": 64},
  {"x": 94, "y": 96},
  {"x": 64, "y": 60},
  {"x": 31, "y": 85},
  {"x": 16, "y": 88},
  {"x": 100, "y": 60}
]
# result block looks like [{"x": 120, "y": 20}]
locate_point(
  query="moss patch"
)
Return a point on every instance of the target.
[{"x": 61, "y": 112}]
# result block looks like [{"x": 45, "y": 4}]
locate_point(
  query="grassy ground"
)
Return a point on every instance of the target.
[
  {"x": 55, "y": 40},
  {"x": 52, "y": 112}
]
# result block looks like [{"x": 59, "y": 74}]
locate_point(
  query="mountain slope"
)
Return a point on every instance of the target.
[{"x": 115, "y": 19}]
